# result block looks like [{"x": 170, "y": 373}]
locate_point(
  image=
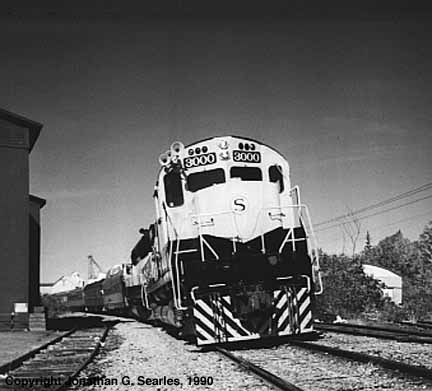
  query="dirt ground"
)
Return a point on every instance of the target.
[{"x": 17, "y": 343}]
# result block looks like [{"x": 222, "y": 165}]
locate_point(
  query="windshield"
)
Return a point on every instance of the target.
[
  {"x": 246, "y": 173},
  {"x": 201, "y": 180}
]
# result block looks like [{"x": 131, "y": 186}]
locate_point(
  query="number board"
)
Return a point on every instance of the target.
[
  {"x": 200, "y": 160},
  {"x": 244, "y": 156}
]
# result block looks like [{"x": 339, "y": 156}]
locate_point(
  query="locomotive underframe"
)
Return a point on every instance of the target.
[{"x": 238, "y": 295}]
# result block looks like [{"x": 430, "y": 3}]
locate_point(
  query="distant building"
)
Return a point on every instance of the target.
[
  {"x": 391, "y": 281},
  {"x": 67, "y": 283},
  {"x": 19, "y": 222}
]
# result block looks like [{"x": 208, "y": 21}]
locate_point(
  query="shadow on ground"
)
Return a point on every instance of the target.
[{"x": 80, "y": 322}]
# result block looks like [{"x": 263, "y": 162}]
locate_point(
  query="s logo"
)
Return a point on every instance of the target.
[{"x": 239, "y": 204}]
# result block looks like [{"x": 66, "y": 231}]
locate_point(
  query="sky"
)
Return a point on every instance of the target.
[{"x": 346, "y": 97}]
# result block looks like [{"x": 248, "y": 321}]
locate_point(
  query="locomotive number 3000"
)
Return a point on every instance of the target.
[
  {"x": 201, "y": 160},
  {"x": 243, "y": 156}
]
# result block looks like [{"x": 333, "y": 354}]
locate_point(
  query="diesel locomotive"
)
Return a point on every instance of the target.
[{"x": 230, "y": 255}]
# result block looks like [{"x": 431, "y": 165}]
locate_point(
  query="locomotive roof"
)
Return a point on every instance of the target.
[
  {"x": 227, "y": 135},
  {"x": 238, "y": 137},
  {"x": 211, "y": 138}
]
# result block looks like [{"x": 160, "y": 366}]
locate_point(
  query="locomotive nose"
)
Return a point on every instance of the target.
[
  {"x": 239, "y": 204},
  {"x": 230, "y": 211},
  {"x": 244, "y": 215}
]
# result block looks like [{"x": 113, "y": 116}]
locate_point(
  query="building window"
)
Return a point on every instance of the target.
[
  {"x": 173, "y": 189},
  {"x": 246, "y": 173},
  {"x": 201, "y": 180},
  {"x": 275, "y": 175}
]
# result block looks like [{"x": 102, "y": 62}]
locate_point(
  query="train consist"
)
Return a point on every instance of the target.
[{"x": 231, "y": 253}]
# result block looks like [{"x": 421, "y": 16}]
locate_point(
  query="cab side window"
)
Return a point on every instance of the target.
[
  {"x": 173, "y": 189},
  {"x": 275, "y": 176}
]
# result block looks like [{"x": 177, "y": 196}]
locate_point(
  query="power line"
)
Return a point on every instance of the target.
[
  {"x": 373, "y": 229},
  {"x": 398, "y": 197},
  {"x": 377, "y": 213},
  {"x": 402, "y": 220},
  {"x": 383, "y": 234}
]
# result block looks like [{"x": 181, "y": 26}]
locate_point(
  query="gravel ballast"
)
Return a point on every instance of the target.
[{"x": 150, "y": 359}]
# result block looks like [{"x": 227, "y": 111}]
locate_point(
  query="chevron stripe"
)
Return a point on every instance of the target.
[
  {"x": 203, "y": 325},
  {"x": 297, "y": 308},
  {"x": 282, "y": 311},
  {"x": 228, "y": 310},
  {"x": 307, "y": 321},
  {"x": 294, "y": 308},
  {"x": 210, "y": 328},
  {"x": 230, "y": 316},
  {"x": 302, "y": 294},
  {"x": 305, "y": 311},
  {"x": 287, "y": 322},
  {"x": 203, "y": 335},
  {"x": 215, "y": 321},
  {"x": 233, "y": 328},
  {"x": 201, "y": 314},
  {"x": 220, "y": 328},
  {"x": 285, "y": 316},
  {"x": 277, "y": 295},
  {"x": 304, "y": 305}
]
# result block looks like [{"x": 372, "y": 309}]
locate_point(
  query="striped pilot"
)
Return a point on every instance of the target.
[{"x": 231, "y": 253}]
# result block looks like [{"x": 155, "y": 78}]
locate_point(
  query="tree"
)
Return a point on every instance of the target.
[
  {"x": 425, "y": 244},
  {"x": 352, "y": 227},
  {"x": 410, "y": 260},
  {"x": 394, "y": 253},
  {"x": 368, "y": 245},
  {"x": 419, "y": 293},
  {"x": 347, "y": 290},
  {"x": 350, "y": 293}
]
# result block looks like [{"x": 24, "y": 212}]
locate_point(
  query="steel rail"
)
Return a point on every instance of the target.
[
  {"x": 413, "y": 370},
  {"x": 91, "y": 357},
  {"x": 262, "y": 373},
  {"x": 385, "y": 327},
  {"x": 384, "y": 332},
  {"x": 31, "y": 363},
  {"x": 421, "y": 324}
]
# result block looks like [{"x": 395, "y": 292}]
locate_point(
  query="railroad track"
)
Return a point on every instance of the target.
[
  {"x": 317, "y": 366},
  {"x": 401, "y": 334},
  {"x": 420, "y": 324},
  {"x": 401, "y": 367},
  {"x": 300, "y": 365},
  {"x": 56, "y": 366},
  {"x": 262, "y": 373}
]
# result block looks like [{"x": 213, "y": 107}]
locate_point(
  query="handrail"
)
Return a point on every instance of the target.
[
  {"x": 193, "y": 289},
  {"x": 303, "y": 219},
  {"x": 302, "y": 216},
  {"x": 314, "y": 254},
  {"x": 306, "y": 277},
  {"x": 144, "y": 297},
  {"x": 176, "y": 289},
  {"x": 178, "y": 305}
]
